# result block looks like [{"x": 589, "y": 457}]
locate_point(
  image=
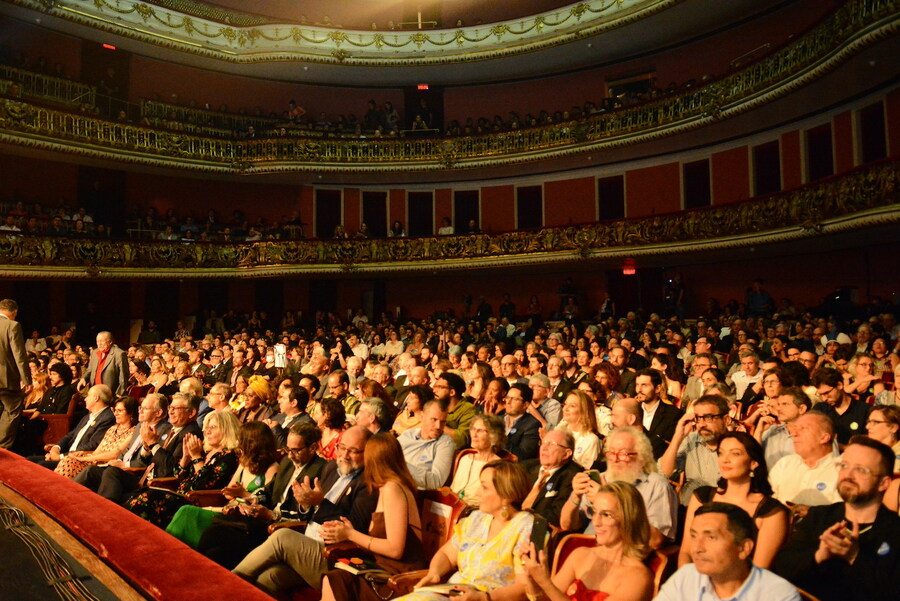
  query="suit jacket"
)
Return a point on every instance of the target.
[
  {"x": 553, "y": 495},
  {"x": 662, "y": 428},
  {"x": 217, "y": 374},
  {"x": 626, "y": 386},
  {"x": 168, "y": 454},
  {"x": 562, "y": 391},
  {"x": 357, "y": 504},
  {"x": 281, "y": 432},
  {"x": 162, "y": 427},
  {"x": 282, "y": 480},
  {"x": 115, "y": 370},
  {"x": 524, "y": 438},
  {"x": 92, "y": 436},
  {"x": 14, "y": 368}
]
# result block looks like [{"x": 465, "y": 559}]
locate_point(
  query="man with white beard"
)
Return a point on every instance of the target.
[{"x": 629, "y": 458}]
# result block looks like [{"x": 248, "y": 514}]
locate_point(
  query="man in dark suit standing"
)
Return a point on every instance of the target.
[
  {"x": 551, "y": 476},
  {"x": 108, "y": 365},
  {"x": 660, "y": 419},
  {"x": 15, "y": 376},
  {"x": 288, "y": 559},
  {"x": 245, "y": 527},
  {"x": 86, "y": 436},
  {"x": 522, "y": 430}
]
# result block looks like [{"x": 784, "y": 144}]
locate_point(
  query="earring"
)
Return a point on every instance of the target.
[
  {"x": 504, "y": 513},
  {"x": 752, "y": 473}
]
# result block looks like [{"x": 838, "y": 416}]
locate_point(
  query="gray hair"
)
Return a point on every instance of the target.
[
  {"x": 379, "y": 409},
  {"x": 641, "y": 445}
]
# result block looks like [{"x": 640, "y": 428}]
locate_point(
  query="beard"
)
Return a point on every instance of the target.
[
  {"x": 851, "y": 492},
  {"x": 629, "y": 475},
  {"x": 345, "y": 468}
]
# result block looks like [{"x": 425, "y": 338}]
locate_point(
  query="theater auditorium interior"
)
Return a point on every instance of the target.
[{"x": 440, "y": 174}]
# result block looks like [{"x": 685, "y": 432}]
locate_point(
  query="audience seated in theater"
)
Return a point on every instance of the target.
[
  {"x": 613, "y": 568},
  {"x": 522, "y": 429},
  {"x": 88, "y": 433},
  {"x": 55, "y": 400},
  {"x": 151, "y": 411},
  {"x": 721, "y": 542},
  {"x": 488, "y": 443},
  {"x": 810, "y": 476},
  {"x": 331, "y": 420},
  {"x": 848, "y": 414},
  {"x": 395, "y": 532},
  {"x": 161, "y": 451},
  {"x": 114, "y": 442},
  {"x": 883, "y": 425},
  {"x": 580, "y": 419},
  {"x": 485, "y": 551},
  {"x": 660, "y": 419},
  {"x": 243, "y": 526},
  {"x": 410, "y": 416},
  {"x": 289, "y": 559},
  {"x": 546, "y": 410},
  {"x": 629, "y": 458},
  {"x": 292, "y": 402},
  {"x": 692, "y": 452},
  {"x": 138, "y": 386},
  {"x": 428, "y": 450},
  {"x": 256, "y": 396},
  {"x": 450, "y": 389},
  {"x": 550, "y": 476},
  {"x": 744, "y": 483},
  {"x": 849, "y": 550}
]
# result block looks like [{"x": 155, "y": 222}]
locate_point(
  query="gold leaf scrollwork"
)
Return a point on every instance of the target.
[
  {"x": 144, "y": 11},
  {"x": 229, "y": 34},
  {"x": 419, "y": 38},
  {"x": 18, "y": 111},
  {"x": 341, "y": 55},
  {"x": 449, "y": 153},
  {"x": 499, "y": 29},
  {"x": 337, "y": 37},
  {"x": 188, "y": 25},
  {"x": 579, "y": 10},
  {"x": 460, "y": 37},
  {"x": 378, "y": 40}
]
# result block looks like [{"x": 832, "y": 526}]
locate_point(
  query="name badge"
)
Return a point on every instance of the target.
[{"x": 551, "y": 493}]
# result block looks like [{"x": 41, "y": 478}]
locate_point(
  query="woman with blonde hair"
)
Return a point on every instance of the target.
[
  {"x": 484, "y": 552},
  {"x": 860, "y": 380},
  {"x": 488, "y": 434},
  {"x": 613, "y": 570},
  {"x": 159, "y": 373},
  {"x": 205, "y": 464},
  {"x": 580, "y": 418},
  {"x": 395, "y": 532},
  {"x": 40, "y": 384}
]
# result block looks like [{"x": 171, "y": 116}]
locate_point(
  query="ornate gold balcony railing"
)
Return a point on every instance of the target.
[
  {"x": 863, "y": 198},
  {"x": 855, "y": 25},
  {"x": 47, "y": 87}
]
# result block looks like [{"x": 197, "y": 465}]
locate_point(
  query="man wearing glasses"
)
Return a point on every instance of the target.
[
  {"x": 629, "y": 458},
  {"x": 849, "y": 415},
  {"x": 551, "y": 475},
  {"x": 289, "y": 559},
  {"x": 226, "y": 542},
  {"x": 218, "y": 371},
  {"x": 692, "y": 451},
  {"x": 849, "y": 551}
]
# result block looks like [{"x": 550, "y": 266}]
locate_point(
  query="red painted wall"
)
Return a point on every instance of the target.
[
  {"x": 653, "y": 190},
  {"x": 498, "y": 204},
  {"x": 443, "y": 206},
  {"x": 730, "y": 175},
  {"x": 892, "y": 106},
  {"x": 154, "y": 79},
  {"x": 352, "y": 209},
  {"x": 31, "y": 180},
  {"x": 34, "y": 42},
  {"x": 397, "y": 207},
  {"x": 570, "y": 201},
  {"x": 842, "y": 133},
  {"x": 791, "y": 164}
]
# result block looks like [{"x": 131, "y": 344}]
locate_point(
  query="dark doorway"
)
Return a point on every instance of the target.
[
  {"x": 465, "y": 207},
  {"x": 375, "y": 213},
  {"x": 421, "y": 213},
  {"x": 328, "y": 212}
]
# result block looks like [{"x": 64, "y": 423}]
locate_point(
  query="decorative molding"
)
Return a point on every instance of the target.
[
  {"x": 854, "y": 26},
  {"x": 861, "y": 199},
  {"x": 255, "y": 42}
]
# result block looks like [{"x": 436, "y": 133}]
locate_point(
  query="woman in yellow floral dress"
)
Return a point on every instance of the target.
[{"x": 114, "y": 441}]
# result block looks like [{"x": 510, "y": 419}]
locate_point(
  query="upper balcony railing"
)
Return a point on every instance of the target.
[
  {"x": 852, "y": 27},
  {"x": 866, "y": 197}
]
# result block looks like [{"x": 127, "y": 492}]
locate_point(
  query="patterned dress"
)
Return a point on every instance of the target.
[
  {"x": 157, "y": 505},
  {"x": 113, "y": 440},
  {"x": 485, "y": 564}
]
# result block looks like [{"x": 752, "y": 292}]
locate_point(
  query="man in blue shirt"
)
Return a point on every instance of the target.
[{"x": 722, "y": 538}]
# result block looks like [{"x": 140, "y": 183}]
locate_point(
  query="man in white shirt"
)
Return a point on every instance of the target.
[
  {"x": 809, "y": 477},
  {"x": 35, "y": 344},
  {"x": 748, "y": 375},
  {"x": 428, "y": 451}
]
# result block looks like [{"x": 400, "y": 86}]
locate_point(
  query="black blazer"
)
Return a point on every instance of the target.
[
  {"x": 282, "y": 480},
  {"x": 626, "y": 386},
  {"x": 562, "y": 391},
  {"x": 165, "y": 459},
  {"x": 524, "y": 438},
  {"x": 553, "y": 495},
  {"x": 92, "y": 437},
  {"x": 662, "y": 428},
  {"x": 356, "y": 503}
]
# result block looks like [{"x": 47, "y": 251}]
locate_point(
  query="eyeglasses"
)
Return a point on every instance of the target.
[
  {"x": 855, "y": 469},
  {"x": 556, "y": 444},
  {"x": 297, "y": 451},
  {"x": 876, "y": 421},
  {"x": 349, "y": 450},
  {"x": 177, "y": 407},
  {"x": 708, "y": 418},
  {"x": 603, "y": 516},
  {"x": 120, "y": 410},
  {"x": 620, "y": 455},
  {"x": 478, "y": 430}
]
